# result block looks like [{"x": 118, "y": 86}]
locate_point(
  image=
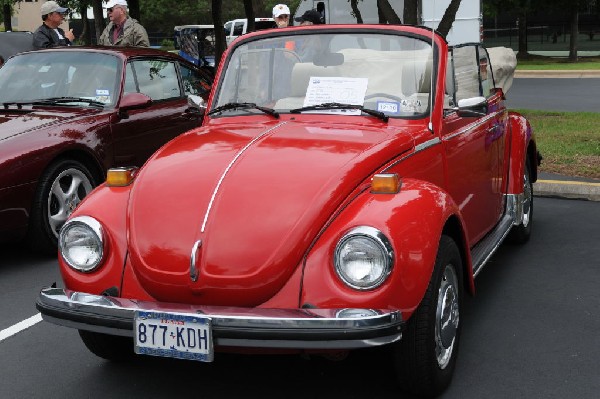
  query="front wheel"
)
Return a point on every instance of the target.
[
  {"x": 425, "y": 358},
  {"x": 61, "y": 188},
  {"x": 109, "y": 347}
]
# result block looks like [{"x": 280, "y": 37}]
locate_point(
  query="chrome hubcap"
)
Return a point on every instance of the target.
[
  {"x": 67, "y": 191},
  {"x": 528, "y": 194},
  {"x": 447, "y": 317}
]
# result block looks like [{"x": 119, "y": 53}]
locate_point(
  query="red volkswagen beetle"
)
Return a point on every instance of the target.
[
  {"x": 347, "y": 186},
  {"x": 67, "y": 115}
]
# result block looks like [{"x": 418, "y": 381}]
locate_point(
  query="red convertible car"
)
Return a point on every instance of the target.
[
  {"x": 67, "y": 115},
  {"x": 348, "y": 185}
]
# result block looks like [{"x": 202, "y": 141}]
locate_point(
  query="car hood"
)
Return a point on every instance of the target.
[
  {"x": 253, "y": 196},
  {"x": 15, "y": 122}
]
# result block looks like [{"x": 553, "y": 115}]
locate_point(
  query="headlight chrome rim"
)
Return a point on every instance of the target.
[
  {"x": 377, "y": 237},
  {"x": 94, "y": 227}
]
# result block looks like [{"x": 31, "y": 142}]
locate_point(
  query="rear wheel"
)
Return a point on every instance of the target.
[
  {"x": 61, "y": 188},
  {"x": 109, "y": 347},
  {"x": 425, "y": 358},
  {"x": 520, "y": 234}
]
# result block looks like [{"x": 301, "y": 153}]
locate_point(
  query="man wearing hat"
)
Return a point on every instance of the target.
[
  {"x": 310, "y": 17},
  {"x": 281, "y": 15},
  {"x": 122, "y": 30},
  {"x": 49, "y": 34}
]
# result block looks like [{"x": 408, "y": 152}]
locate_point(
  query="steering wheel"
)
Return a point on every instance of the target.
[{"x": 384, "y": 95}]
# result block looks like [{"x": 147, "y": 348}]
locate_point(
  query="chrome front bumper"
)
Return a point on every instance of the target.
[{"x": 231, "y": 326}]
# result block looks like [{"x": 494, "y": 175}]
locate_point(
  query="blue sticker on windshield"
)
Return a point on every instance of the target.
[
  {"x": 388, "y": 107},
  {"x": 103, "y": 95}
]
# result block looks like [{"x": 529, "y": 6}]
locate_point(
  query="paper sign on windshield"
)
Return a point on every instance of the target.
[{"x": 336, "y": 90}]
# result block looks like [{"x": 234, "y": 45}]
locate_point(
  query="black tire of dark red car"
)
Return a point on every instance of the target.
[
  {"x": 420, "y": 369},
  {"x": 110, "y": 347},
  {"x": 520, "y": 234},
  {"x": 74, "y": 180}
]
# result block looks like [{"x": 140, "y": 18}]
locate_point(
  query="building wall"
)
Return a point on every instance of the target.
[{"x": 27, "y": 17}]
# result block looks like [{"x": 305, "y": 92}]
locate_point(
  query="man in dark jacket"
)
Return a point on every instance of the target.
[{"x": 49, "y": 34}]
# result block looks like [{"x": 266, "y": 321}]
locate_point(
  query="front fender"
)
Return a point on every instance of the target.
[
  {"x": 412, "y": 219},
  {"x": 108, "y": 205},
  {"x": 523, "y": 146}
]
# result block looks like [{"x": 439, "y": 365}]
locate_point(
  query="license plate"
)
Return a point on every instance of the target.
[{"x": 173, "y": 335}]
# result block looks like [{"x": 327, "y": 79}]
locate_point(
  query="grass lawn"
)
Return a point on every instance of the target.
[
  {"x": 549, "y": 63},
  {"x": 568, "y": 141}
]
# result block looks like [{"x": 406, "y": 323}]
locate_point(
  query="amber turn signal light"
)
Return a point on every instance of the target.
[
  {"x": 120, "y": 177},
  {"x": 385, "y": 183}
]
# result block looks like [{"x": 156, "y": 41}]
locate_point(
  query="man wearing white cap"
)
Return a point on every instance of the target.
[
  {"x": 49, "y": 34},
  {"x": 281, "y": 15},
  {"x": 122, "y": 30}
]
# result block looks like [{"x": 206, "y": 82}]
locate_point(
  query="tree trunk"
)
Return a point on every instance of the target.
[
  {"x": 86, "y": 35},
  {"x": 7, "y": 12},
  {"x": 411, "y": 12},
  {"x": 217, "y": 16},
  {"x": 134, "y": 9},
  {"x": 98, "y": 18},
  {"x": 448, "y": 18},
  {"x": 387, "y": 13},
  {"x": 356, "y": 11},
  {"x": 574, "y": 33},
  {"x": 249, "y": 10},
  {"x": 522, "y": 52},
  {"x": 259, "y": 6}
]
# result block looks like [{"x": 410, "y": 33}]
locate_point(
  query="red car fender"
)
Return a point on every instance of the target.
[
  {"x": 523, "y": 146},
  {"x": 108, "y": 206},
  {"x": 413, "y": 220}
]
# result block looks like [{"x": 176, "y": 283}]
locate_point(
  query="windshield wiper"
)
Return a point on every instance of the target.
[
  {"x": 230, "y": 106},
  {"x": 372, "y": 112},
  {"x": 64, "y": 100}
]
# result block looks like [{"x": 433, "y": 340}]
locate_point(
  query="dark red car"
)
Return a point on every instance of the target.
[{"x": 67, "y": 115}]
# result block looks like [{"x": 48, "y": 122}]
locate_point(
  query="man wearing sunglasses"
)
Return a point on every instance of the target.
[
  {"x": 49, "y": 34},
  {"x": 122, "y": 30}
]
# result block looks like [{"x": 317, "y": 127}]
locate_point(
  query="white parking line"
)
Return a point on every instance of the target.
[{"x": 20, "y": 326}]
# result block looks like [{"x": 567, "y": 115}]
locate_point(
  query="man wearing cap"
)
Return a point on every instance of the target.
[
  {"x": 122, "y": 30},
  {"x": 310, "y": 17},
  {"x": 49, "y": 34},
  {"x": 281, "y": 15}
]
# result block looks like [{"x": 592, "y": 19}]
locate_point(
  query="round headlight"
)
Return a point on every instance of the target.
[
  {"x": 364, "y": 258},
  {"x": 81, "y": 243}
]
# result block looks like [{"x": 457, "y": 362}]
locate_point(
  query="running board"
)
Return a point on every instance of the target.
[{"x": 484, "y": 249}]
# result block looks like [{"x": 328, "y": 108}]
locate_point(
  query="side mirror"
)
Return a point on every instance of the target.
[
  {"x": 196, "y": 104},
  {"x": 472, "y": 107},
  {"x": 134, "y": 101}
]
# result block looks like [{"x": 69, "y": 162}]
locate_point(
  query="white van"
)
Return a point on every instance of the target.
[
  {"x": 467, "y": 26},
  {"x": 238, "y": 27}
]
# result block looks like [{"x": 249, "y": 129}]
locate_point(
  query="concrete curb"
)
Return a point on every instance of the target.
[
  {"x": 567, "y": 189},
  {"x": 584, "y": 73}
]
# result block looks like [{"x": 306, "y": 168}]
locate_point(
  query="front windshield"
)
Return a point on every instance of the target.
[
  {"x": 40, "y": 76},
  {"x": 383, "y": 72}
]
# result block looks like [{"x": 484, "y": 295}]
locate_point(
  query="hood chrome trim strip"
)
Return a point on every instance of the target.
[{"x": 216, "y": 190}]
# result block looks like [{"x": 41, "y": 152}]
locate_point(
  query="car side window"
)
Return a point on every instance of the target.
[
  {"x": 228, "y": 28},
  {"x": 466, "y": 72},
  {"x": 157, "y": 79},
  {"x": 130, "y": 85},
  {"x": 485, "y": 73},
  {"x": 238, "y": 29},
  {"x": 194, "y": 82}
]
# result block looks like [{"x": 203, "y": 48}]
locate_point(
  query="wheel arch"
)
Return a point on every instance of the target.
[
  {"x": 84, "y": 157},
  {"x": 454, "y": 229},
  {"x": 523, "y": 147}
]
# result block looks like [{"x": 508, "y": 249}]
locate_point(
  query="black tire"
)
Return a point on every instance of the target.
[
  {"x": 109, "y": 347},
  {"x": 520, "y": 234},
  {"x": 49, "y": 211},
  {"x": 425, "y": 358}
]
